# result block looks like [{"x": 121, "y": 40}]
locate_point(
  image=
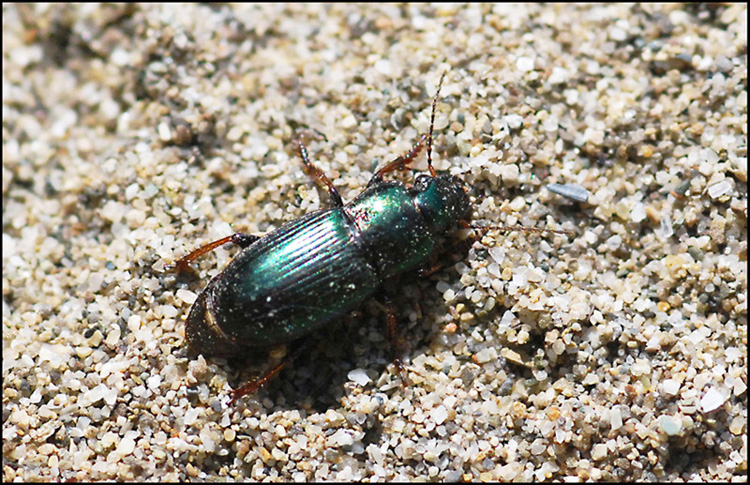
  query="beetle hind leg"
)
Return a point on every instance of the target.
[{"x": 256, "y": 384}]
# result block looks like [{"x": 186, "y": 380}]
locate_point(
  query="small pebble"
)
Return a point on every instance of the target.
[
  {"x": 509, "y": 175},
  {"x": 670, "y": 387},
  {"x": 570, "y": 191},
  {"x": 525, "y": 64},
  {"x": 671, "y": 425},
  {"x": 359, "y": 376},
  {"x": 720, "y": 189},
  {"x": 712, "y": 400}
]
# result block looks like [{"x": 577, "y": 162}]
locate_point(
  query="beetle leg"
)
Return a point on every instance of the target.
[
  {"x": 395, "y": 339},
  {"x": 240, "y": 239},
  {"x": 401, "y": 163},
  {"x": 316, "y": 173},
  {"x": 426, "y": 271},
  {"x": 256, "y": 384}
]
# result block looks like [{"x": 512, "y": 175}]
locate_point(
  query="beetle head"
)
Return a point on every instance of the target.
[{"x": 442, "y": 200}]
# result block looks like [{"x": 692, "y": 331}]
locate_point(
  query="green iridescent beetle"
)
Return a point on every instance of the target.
[{"x": 283, "y": 286}]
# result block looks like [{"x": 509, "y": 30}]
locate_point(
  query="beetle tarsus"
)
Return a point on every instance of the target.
[{"x": 402, "y": 374}]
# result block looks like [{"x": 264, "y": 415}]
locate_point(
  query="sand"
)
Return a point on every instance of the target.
[{"x": 134, "y": 134}]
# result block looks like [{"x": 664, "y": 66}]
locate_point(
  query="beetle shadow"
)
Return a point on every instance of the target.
[{"x": 316, "y": 379}]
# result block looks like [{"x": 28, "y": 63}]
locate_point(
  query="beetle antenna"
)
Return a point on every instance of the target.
[
  {"x": 467, "y": 225},
  {"x": 432, "y": 124}
]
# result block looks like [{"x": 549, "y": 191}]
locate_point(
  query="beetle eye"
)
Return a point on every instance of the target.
[
  {"x": 421, "y": 183},
  {"x": 461, "y": 184}
]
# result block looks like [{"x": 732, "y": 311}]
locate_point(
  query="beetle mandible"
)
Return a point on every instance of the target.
[{"x": 284, "y": 285}]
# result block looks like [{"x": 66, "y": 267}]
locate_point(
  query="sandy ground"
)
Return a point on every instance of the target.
[{"x": 134, "y": 134}]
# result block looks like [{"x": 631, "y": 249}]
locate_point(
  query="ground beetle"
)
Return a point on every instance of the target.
[{"x": 283, "y": 286}]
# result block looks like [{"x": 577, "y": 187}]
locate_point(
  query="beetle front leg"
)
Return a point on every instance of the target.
[
  {"x": 400, "y": 163},
  {"x": 240, "y": 239},
  {"x": 313, "y": 171}
]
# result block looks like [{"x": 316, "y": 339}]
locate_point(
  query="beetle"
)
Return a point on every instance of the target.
[{"x": 283, "y": 286}]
